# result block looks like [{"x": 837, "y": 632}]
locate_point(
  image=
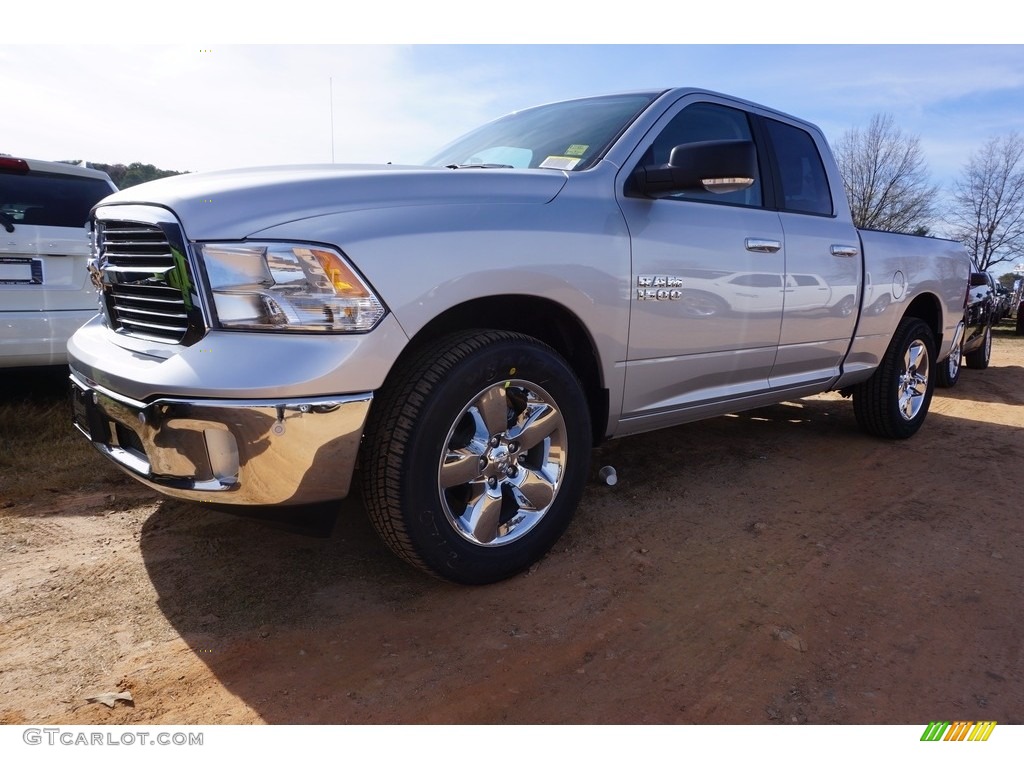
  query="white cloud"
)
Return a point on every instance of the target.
[{"x": 192, "y": 108}]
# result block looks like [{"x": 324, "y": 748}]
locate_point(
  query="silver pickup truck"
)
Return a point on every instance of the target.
[{"x": 463, "y": 332}]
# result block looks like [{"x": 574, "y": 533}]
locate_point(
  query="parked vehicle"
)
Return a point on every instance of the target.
[
  {"x": 466, "y": 330},
  {"x": 1003, "y": 307},
  {"x": 45, "y": 293},
  {"x": 979, "y": 317}
]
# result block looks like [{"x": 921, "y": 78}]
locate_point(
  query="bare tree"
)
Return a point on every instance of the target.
[
  {"x": 886, "y": 178},
  {"x": 987, "y": 215}
]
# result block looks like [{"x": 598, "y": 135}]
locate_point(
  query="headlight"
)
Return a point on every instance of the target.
[{"x": 287, "y": 286}]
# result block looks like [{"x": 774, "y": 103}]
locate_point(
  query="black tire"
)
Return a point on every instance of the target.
[
  {"x": 880, "y": 305},
  {"x": 980, "y": 358},
  {"x": 894, "y": 402},
  {"x": 1020, "y": 319},
  {"x": 476, "y": 455},
  {"x": 845, "y": 307},
  {"x": 948, "y": 373},
  {"x": 694, "y": 303}
]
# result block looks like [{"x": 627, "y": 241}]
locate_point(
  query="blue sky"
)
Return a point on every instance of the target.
[
  {"x": 190, "y": 108},
  {"x": 262, "y": 97}
]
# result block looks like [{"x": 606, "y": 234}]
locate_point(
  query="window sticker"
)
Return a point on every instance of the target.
[
  {"x": 577, "y": 150},
  {"x": 560, "y": 163}
]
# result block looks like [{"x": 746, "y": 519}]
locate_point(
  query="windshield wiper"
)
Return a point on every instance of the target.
[
  {"x": 479, "y": 165},
  {"x": 7, "y": 221}
]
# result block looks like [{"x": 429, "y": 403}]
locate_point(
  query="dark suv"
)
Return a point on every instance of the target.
[{"x": 979, "y": 317}]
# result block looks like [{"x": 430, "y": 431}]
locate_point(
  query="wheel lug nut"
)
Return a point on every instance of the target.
[
  {"x": 513, "y": 447},
  {"x": 492, "y": 482},
  {"x": 495, "y": 441}
]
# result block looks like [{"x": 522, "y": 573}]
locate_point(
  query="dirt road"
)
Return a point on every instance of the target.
[{"x": 775, "y": 566}]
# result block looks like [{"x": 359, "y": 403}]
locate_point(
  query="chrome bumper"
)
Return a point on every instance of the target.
[{"x": 230, "y": 451}]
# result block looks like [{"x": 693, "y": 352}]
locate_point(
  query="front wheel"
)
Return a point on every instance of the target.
[
  {"x": 476, "y": 455},
  {"x": 893, "y": 403}
]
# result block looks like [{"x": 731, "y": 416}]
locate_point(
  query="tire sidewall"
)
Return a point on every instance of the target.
[
  {"x": 876, "y": 402},
  {"x": 982, "y": 356},
  {"x": 915, "y": 332},
  {"x": 845, "y": 306},
  {"x": 948, "y": 373},
  {"x": 435, "y": 539}
]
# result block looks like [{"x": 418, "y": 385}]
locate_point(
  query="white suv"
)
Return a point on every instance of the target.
[{"x": 45, "y": 292}]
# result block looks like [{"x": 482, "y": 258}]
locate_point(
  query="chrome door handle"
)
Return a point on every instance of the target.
[
  {"x": 760, "y": 245},
  {"x": 845, "y": 250}
]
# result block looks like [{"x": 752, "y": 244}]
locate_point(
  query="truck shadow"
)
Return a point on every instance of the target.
[{"x": 676, "y": 580}]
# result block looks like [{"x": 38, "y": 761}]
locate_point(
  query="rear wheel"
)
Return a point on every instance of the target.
[
  {"x": 981, "y": 357},
  {"x": 845, "y": 306},
  {"x": 476, "y": 455},
  {"x": 893, "y": 403},
  {"x": 948, "y": 374}
]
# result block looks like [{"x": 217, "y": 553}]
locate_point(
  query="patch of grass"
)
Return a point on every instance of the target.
[
  {"x": 1006, "y": 331},
  {"x": 40, "y": 451}
]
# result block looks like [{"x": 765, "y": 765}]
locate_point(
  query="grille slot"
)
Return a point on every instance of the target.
[{"x": 148, "y": 284}]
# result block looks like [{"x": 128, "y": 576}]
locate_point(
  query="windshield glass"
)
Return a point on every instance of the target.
[{"x": 569, "y": 135}]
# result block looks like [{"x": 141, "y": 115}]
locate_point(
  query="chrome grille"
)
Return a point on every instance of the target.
[{"x": 148, "y": 286}]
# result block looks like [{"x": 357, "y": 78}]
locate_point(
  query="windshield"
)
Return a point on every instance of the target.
[{"x": 569, "y": 135}]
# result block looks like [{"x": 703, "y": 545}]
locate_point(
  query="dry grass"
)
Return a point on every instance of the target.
[
  {"x": 1006, "y": 331},
  {"x": 40, "y": 451}
]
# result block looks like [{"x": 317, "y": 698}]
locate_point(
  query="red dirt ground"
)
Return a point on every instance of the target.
[{"x": 772, "y": 567}]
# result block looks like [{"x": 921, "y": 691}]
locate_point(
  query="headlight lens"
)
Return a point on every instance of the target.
[{"x": 287, "y": 286}]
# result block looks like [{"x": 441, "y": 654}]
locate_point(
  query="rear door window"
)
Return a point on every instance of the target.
[{"x": 802, "y": 174}]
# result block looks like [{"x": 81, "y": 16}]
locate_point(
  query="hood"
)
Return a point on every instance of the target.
[{"x": 234, "y": 204}]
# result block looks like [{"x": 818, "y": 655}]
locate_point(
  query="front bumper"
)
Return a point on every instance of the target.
[{"x": 295, "y": 451}]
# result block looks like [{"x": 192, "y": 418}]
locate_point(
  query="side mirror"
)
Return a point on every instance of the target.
[
  {"x": 714, "y": 166},
  {"x": 978, "y": 279}
]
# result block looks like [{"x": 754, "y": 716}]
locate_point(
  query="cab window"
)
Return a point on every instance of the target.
[{"x": 705, "y": 122}]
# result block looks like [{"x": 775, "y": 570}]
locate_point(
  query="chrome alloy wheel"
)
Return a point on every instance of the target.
[
  {"x": 953, "y": 363},
  {"x": 503, "y": 461},
  {"x": 913, "y": 382}
]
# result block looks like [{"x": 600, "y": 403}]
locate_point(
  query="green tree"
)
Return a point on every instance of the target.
[
  {"x": 1007, "y": 280},
  {"x": 125, "y": 176}
]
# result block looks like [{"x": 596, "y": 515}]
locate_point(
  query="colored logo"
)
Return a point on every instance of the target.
[{"x": 958, "y": 730}]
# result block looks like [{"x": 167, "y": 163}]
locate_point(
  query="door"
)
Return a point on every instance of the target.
[
  {"x": 707, "y": 290},
  {"x": 823, "y": 264}
]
